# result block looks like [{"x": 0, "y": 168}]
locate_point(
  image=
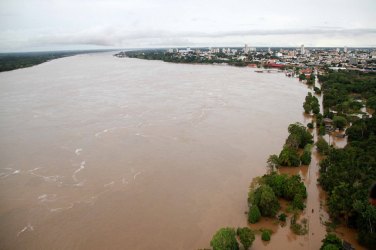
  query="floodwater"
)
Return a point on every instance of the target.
[{"x": 98, "y": 152}]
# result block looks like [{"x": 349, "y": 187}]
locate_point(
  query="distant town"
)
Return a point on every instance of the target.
[{"x": 363, "y": 59}]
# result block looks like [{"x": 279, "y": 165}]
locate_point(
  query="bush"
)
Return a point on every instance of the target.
[
  {"x": 246, "y": 237},
  {"x": 265, "y": 236},
  {"x": 282, "y": 217},
  {"x": 310, "y": 125},
  {"x": 306, "y": 158},
  {"x": 254, "y": 214},
  {"x": 317, "y": 90},
  {"x": 297, "y": 202},
  {"x": 330, "y": 247},
  {"x": 224, "y": 239},
  {"x": 322, "y": 146},
  {"x": 333, "y": 240}
]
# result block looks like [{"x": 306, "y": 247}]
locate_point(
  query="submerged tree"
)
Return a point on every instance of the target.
[
  {"x": 246, "y": 237},
  {"x": 225, "y": 239}
]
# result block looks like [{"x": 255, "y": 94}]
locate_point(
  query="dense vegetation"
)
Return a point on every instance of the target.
[
  {"x": 11, "y": 61},
  {"x": 347, "y": 174},
  {"x": 246, "y": 236},
  {"x": 344, "y": 91},
  {"x": 227, "y": 238},
  {"x": 331, "y": 242},
  {"x": 291, "y": 156},
  {"x": 263, "y": 200},
  {"x": 311, "y": 104}
]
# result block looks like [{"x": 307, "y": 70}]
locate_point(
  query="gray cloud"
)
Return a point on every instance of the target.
[{"x": 119, "y": 37}]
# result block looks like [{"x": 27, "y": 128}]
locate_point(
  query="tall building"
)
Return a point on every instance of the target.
[
  {"x": 246, "y": 49},
  {"x": 302, "y": 51},
  {"x": 345, "y": 49}
]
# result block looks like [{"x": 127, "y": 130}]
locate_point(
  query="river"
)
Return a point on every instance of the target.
[{"x": 99, "y": 152}]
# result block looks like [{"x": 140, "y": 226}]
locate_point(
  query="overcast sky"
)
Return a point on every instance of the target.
[{"x": 32, "y": 25}]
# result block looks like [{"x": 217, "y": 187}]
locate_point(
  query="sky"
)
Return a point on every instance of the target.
[{"x": 40, "y": 25}]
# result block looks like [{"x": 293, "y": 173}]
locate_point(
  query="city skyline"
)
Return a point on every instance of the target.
[{"x": 37, "y": 25}]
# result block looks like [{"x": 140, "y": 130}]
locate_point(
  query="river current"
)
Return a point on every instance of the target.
[{"x": 99, "y": 152}]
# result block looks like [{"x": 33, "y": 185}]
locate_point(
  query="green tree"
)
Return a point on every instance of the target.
[
  {"x": 331, "y": 239},
  {"x": 299, "y": 130},
  {"x": 331, "y": 247},
  {"x": 298, "y": 202},
  {"x": 289, "y": 157},
  {"x": 282, "y": 217},
  {"x": 302, "y": 77},
  {"x": 294, "y": 186},
  {"x": 273, "y": 162},
  {"x": 306, "y": 156},
  {"x": 268, "y": 202},
  {"x": 246, "y": 237},
  {"x": 339, "y": 122},
  {"x": 277, "y": 182},
  {"x": 322, "y": 146},
  {"x": 254, "y": 214},
  {"x": 265, "y": 235},
  {"x": 225, "y": 239}
]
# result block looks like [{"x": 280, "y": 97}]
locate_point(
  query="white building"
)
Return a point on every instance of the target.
[
  {"x": 246, "y": 49},
  {"x": 302, "y": 51}
]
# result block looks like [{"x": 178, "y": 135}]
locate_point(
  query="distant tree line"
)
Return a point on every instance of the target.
[{"x": 11, "y": 61}]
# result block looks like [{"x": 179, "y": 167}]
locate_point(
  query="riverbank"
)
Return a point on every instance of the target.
[{"x": 13, "y": 61}]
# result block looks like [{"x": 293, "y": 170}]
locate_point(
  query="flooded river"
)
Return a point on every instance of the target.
[{"x": 98, "y": 152}]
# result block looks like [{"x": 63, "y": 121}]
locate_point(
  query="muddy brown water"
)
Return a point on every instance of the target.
[{"x": 98, "y": 152}]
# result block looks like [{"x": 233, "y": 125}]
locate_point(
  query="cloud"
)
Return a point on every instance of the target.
[
  {"x": 110, "y": 37},
  {"x": 119, "y": 37}
]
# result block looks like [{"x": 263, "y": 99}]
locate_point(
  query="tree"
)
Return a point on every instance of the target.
[
  {"x": 266, "y": 200},
  {"x": 224, "y": 239},
  {"x": 277, "y": 182},
  {"x": 330, "y": 247},
  {"x": 294, "y": 186},
  {"x": 254, "y": 214},
  {"x": 306, "y": 156},
  {"x": 339, "y": 122},
  {"x": 289, "y": 157},
  {"x": 273, "y": 162},
  {"x": 299, "y": 130},
  {"x": 246, "y": 237},
  {"x": 297, "y": 202},
  {"x": 322, "y": 146},
  {"x": 331, "y": 239},
  {"x": 371, "y": 103},
  {"x": 302, "y": 77},
  {"x": 265, "y": 235},
  {"x": 282, "y": 217}
]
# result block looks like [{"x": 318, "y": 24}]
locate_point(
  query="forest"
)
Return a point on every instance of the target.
[
  {"x": 347, "y": 174},
  {"x": 12, "y": 61}
]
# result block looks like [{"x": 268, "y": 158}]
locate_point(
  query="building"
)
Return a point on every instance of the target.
[
  {"x": 246, "y": 49},
  {"x": 345, "y": 49},
  {"x": 302, "y": 51}
]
